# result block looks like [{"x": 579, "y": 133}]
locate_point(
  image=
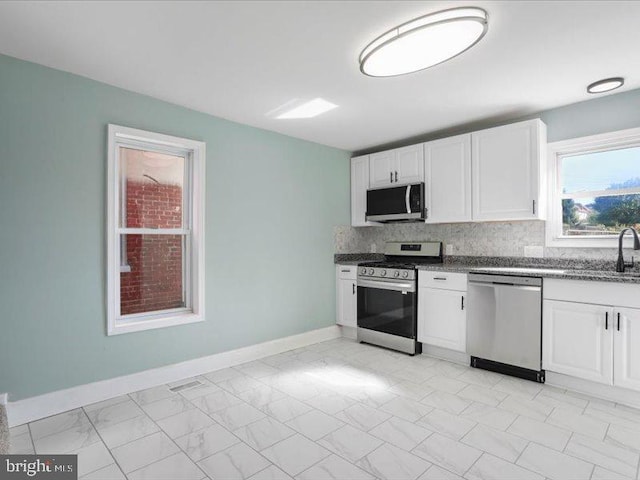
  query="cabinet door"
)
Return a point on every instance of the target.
[
  {"x": 442, "y": 320},
  {"x": 578, "y": 340},
  {"x": 381, "y": 168},
  {"x": 627, "y": 348},
  {"x": 409, "y": 164},
  {"x": 506, "y": 169},
  {"x": 447, "y": 166},
  {"x": 359, "y": 186},
  {"x": 346, "y": 303}
]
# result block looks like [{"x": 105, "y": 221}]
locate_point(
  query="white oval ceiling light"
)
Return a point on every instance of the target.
[
  {"x": 424, "y": 42},
  {"x": 605, "y": 85}
]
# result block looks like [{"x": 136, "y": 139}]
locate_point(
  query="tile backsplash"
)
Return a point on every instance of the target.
[{"x": 477, "y": 239}]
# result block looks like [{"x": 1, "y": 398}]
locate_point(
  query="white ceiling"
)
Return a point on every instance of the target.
[{"x": 241, "y": 60}]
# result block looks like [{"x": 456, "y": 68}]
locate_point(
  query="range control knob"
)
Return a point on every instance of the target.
[
  {"x": 405, "y": 274},
  {"x": 396, "y": 274},
  {"x": 383, "y": 273},
  {"x": 363, "y": 271},
  {"x": 371, "y": 271}
]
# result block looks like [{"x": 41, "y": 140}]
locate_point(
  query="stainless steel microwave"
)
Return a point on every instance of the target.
[{"x": 403, "y": 203}]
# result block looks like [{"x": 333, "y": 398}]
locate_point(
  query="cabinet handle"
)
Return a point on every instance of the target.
[
  {"x": 606, "y": 321},
  {"x": 462, "y": 303},
  {"x": 346, "y": 271},
  {"x": 534, "y": 207},
  {"x": 618, "y": 321},
  {"x": 439, "y": 278},
  {"x": 391, "y": 177},
  {"x": 396, "y": 176},
  {"x": 353, "y": 288}
]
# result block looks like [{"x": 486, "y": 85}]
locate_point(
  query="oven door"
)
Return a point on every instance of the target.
[{"x": 387, "y": 307}]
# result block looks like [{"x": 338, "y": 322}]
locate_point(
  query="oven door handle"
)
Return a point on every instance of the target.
[{"x": 398, "y": 286}]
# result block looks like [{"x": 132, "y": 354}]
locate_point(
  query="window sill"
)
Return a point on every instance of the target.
[
  {"x": 137, "y": 325},
  {"x": 587, "y": 242}
]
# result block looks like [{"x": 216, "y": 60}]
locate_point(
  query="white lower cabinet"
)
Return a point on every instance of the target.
[
  {"x": 600, "y": 343},
  {"x": 626, "y": 348},
  {"x": 346, "y": 295},
  {"x": 442, "y": 318},
  {"x": 577, "y": 340}
]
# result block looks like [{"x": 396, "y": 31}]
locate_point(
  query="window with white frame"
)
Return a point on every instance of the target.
[
  {"x": 594, "y": 189},
  {"x": 155, "y": 230}
]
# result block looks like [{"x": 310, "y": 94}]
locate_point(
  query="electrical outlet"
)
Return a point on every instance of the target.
[
  {"x": 450, "y": 249},
  {"x": 533, "y": 251},
  {"x": 373, "y": 248}
]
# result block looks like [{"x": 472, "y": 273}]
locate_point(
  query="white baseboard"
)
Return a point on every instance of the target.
[
  {"x": 41, "y": 406},
  {"x": 3, "y": 398},
  {"x": 349, "y": 332},
  {"x": 605, "y": 392},
  {"x": 446, "y": 354}
]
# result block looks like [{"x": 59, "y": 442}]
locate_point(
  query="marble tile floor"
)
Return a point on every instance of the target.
[{"x": 343, "y": 410}]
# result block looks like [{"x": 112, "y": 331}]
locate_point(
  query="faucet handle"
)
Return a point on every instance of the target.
[{"x": 630, "y": 264}]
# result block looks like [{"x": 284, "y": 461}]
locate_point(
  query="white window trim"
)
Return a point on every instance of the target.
[
  {"x": 167, "y": 318},
  {"x": 591, "y": 144}
]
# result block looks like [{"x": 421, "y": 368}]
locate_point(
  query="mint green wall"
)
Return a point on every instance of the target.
[
  {"x": 613, "y": 112},
  {"x": 271, "y": 201}
]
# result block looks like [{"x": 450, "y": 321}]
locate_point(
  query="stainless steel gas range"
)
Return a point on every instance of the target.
[{"x": 387, "y": 295}]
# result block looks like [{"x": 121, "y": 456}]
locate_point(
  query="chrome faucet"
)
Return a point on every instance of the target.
[{"x": 621, "y": 265}]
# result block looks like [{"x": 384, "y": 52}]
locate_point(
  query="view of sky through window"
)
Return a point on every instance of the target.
[
  {"x": 598, "y": 171},
  {"x": 601, "y": 192}
]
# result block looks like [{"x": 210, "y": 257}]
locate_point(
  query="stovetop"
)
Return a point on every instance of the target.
[
  {"x": 408, "y": 264},
  {"x": 392, "y": 270},
  {"x": 401, "y": 260},
  {"x": 383, "y": 264}
]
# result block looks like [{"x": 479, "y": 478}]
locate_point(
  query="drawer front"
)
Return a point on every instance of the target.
[
  {"x": 600, "y": 293},
  {"x": 443, "y": 280},
  {"x": 347, "y": 272}
]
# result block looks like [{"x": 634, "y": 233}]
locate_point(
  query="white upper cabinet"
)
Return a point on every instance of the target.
[
  {"x": 359, "y": 186},
  {"x": 395, "y": 167},
  {"x": 493, "y": 174},
  {"x": 381, "y": 167},
  {"x": 410, "y": 164},
  {"x": 447, "y": 170},
  {"x": 507, "y": 169}
]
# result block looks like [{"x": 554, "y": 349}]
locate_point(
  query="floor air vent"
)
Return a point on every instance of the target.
[{"x": 184, "y": 386}]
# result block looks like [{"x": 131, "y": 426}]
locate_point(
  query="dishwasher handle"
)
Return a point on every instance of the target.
[
  {"x": 511, "y": 286},
  {"x": 505, "y": 280}
]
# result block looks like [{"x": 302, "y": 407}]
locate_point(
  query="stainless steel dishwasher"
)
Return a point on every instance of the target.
[{"x": 504, "y": 324}]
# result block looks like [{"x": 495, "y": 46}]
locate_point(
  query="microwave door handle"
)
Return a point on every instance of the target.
[{"x": 406, "y": 199}]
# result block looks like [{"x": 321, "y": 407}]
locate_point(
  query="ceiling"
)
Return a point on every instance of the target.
[{"x": 241, "y": 60}]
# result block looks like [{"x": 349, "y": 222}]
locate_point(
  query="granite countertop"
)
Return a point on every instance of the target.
[
  {"x": 357, "y": 258},
  {"x": 562, "y": 268},
  {"x": 351, "y": 262},
  {"x": 547, "y": 272}
]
